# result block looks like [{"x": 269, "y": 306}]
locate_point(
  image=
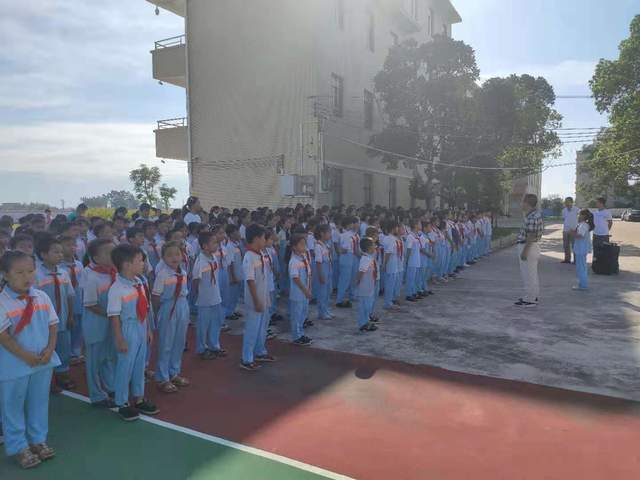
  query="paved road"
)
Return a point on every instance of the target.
[{"x": 575, "y": 340}]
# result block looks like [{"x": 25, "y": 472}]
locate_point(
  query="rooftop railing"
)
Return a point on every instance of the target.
[
  {"x": 172, "y": 123},
  {"x": 171, "y": 42}
]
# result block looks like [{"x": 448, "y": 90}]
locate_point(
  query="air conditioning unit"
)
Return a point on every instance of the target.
[{"x": 297, "y": 185}]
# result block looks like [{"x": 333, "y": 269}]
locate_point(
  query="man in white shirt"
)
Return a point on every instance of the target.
[
  {"x": 603, "y": 222},
  {"x": 570, "y": 218}
]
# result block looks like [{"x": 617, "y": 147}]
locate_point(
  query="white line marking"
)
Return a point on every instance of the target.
[{"x": 227, "y": 443}]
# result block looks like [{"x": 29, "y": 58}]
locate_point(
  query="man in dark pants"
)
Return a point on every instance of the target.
[
  {"x": 603, "y": 222},
  {"x": 570, "y": 219}
]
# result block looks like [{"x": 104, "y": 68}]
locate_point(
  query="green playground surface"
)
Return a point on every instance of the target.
[{"x": 95, "y": 444}]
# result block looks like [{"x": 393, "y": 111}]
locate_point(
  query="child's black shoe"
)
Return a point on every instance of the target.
[
  {"x": 128, "y": 414},
  {"x": 146, "y": 407}
]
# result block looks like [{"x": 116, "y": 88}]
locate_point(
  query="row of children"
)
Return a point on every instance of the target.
[{"x": 145, "y": 277}]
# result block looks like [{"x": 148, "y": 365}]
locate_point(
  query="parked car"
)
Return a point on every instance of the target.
[
  {"x": 623, "y": 217},
  {"x": 633, "y": 216}
]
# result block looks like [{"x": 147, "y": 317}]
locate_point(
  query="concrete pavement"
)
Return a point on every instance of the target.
[{"x": 584, "y": 341}]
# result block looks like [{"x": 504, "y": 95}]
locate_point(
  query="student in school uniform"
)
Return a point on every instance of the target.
[
  {"x": 367, "y": 279},
  {"x": 373, "y": 232},
  {"x": 300, "y": 293},
  {"x": 257, "y": 301},
  {"x": 206, "y": 285},
  {"x": 273, "y": 265},
  {"x": 582, "y": 247},
  {"x": 392, "y": 266},
  {"x": 82, "y": 228},
  {"x": 98, "y": 277},
  {"x": 128, "y": 309},
  {"x": 234, "y": 253},
  {"x": 151, "y": 246},
  {"x": 324, "y": 269},
  {"x": 413, "y": 262},
  {"x": 311, "y": 251},
  {"x": 28, "y": 334},
  {"x": 55, "y": 282},
  {"x": 356, "y": 258},
  {"x": 347, "y": 251},
  {"x": 169, "y": 299},
  {"x": 74, "y": 269}
]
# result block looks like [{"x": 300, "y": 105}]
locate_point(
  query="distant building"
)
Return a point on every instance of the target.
[
  {"x": 585, "y": 199},
  {"x": 278, "y": 91},
  {"x": 512, "y": 203}
]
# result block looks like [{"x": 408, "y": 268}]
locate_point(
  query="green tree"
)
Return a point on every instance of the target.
[
  {"x": 426, "y": 92},
  {"x": 121, "y": 198},
  {"x": 615, "y": 162},
  {"x": 99, "y": 201},
  {"x": 167, "y": 194},
  {"x": 436, "y": 111},
  {"x": 145, "y": 180}
]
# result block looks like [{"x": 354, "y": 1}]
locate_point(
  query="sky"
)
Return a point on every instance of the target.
[{"x": 78, "y": 104}]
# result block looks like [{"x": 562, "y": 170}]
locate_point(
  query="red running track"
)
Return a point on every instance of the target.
[{"x": 375, "y": 419}]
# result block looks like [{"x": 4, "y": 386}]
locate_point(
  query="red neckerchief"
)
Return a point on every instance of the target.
[
  {"x": 307, "y": 267},
  {"x": 375, "y": 269},
  {"x": 267, "y": 255},
  {"x": 142, "y": 304},
  {"x": 214, "y": 267},
  {"x": 154, "y": 246},
  {"x": 221, "y": 251},
  {"x": 260, "y": 255},
  {"x": 177, "y": 291},
  {"x": 27, "y": 313},
  {"x": 353, "y": 244},
  {"x": 111, "y": 271},
  {"x": 73, "y": 275},
  {"x": 399, "y": 248},
  {"x": 57, "y": 292}
]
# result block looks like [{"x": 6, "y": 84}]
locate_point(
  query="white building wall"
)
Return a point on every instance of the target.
[{"x": 254, "y": 66}]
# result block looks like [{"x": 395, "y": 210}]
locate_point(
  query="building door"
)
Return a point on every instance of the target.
[
  {"x": 368, "y": 189},
  {"x": 393, "y": 186},
  {"x": 336, "y": 186}
]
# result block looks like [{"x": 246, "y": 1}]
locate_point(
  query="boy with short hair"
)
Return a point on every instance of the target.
[
  {"x": 257, "y": 301},
  {"x": 234, "y": 254},
  {"x": 55, "y": 282},
  {"x": 128, "y": 309},
  {"x": 366, "y": 281},
  {"x": 74, "y": 268}
]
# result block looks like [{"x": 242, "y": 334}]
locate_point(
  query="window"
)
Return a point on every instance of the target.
[
  {"x": 368, "y": 189},
  {"x": 430, "y": 20},
  {"x": 414, "y": 10},
  {"x": 340, "y": 14},
  {"x": 395, "y": 38},
  {"x": 337, "y": 92},
  {"x": 368, "y": 110},
  {"x": 393, "y": 186},
  {"x": 336, "y": 187},
  {"x": 371, "y": 37}
]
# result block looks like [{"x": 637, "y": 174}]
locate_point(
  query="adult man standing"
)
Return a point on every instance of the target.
[
  {"x": 570, "y": 218},
  {"x": 529, "y": 250},
  {"x": 603, "y": 222}
]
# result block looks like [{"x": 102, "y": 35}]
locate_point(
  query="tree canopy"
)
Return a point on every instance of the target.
[
  {"x": 615, "y": 157},
  {"x": 436, "y": 111}
]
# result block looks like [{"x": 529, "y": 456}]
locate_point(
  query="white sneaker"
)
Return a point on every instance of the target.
[{"x": 577, "y": 288}]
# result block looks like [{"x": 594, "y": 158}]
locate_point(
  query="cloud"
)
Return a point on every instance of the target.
[
  {"x": 55, "y": 51},
  {"x": 567, "y": 77},
  {"x": 90, "y": 158}
]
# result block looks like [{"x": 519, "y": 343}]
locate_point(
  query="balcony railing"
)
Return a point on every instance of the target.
[
  {"x": 172, "y": 123},
  {"x": 171, "y": 42}
]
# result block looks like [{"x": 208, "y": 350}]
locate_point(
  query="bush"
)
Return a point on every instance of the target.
[{"x": 106, "y": 213}]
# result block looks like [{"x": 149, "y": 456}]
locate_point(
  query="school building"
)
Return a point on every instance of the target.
[{"x": 280, "y": 97}]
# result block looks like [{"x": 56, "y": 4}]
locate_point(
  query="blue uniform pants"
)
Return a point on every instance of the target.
[
  {"x": 391, "y": 287},
  {"x": 411, "y": 287},
  {"x": 172, "y": 336},
  {"x": 324, "y": 291},
  {"x": 76, "y": 336},
  {"x": 297, "y": 315},
  {"x": 365, "y": 309},
  {"x": 232, "y": 298},
  {"x": 255, "y": 335},
  {"x": 130, "y": 365},
  {"x": 581, "y": 270},
  {"x": 208, "y": 326},
  {"x": 63, "y": 349},
  {"x": 355, "y": 265},
  {"x": 344, "y": 277},
  {"x": 24, "y": 405},
  {"x": 99, "y": 369}
]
